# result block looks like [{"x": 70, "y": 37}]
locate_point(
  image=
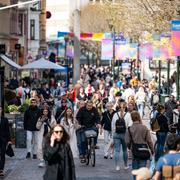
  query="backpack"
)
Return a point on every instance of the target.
[
  {"x": 169, "y": 171},
  {"x": 155, "y": 99},
  {"x": 20, "y": 92},
  {"x": 153, "y": 121},
  {"x": 120, "y": 125}
]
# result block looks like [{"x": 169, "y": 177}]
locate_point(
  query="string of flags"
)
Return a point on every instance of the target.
[{"x": 157, "y": 47}]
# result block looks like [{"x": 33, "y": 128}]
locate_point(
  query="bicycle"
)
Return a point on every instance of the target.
[{"x": 91, "y": 154}]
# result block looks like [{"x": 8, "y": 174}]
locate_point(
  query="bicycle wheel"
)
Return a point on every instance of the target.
[
  {"x": 88, "y": 156},
  {"x": 92, "y": 153}
]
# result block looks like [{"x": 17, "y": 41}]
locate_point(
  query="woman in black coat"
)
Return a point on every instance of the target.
[
  {"x": 162, "y": 133},
  {"x": 4, "y": 140},
  {"x": 58, "y": 155}
]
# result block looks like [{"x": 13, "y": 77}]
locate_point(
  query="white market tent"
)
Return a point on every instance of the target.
[
  {"x": 9, "y": 61},
  {"x": 42, "y": 64}
]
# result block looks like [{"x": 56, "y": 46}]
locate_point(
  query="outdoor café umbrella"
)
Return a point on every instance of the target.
[{"x": 42, "y": 64}]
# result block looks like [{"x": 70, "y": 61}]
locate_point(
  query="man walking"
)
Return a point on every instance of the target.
[{"x": 31, "y": 116}]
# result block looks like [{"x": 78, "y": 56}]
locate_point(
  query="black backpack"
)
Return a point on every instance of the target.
[{"x": 120, "y": 125}]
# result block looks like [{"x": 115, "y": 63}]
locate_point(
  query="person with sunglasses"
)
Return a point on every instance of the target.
[{"x": 58, "y": 155}]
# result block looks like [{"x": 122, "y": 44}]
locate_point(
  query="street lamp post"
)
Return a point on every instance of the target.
[
  {"x": 177, "y": 78},
  {"x": 114, "y": 53},
  {"x": 66, "y": 40}
]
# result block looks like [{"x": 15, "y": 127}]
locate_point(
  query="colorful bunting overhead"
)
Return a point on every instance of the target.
[{"x": 107, "y": 49}]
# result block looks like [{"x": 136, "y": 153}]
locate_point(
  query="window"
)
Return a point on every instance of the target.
[
  {"x": 20, "y": 24},
  {"x": 32, "y": 29}
]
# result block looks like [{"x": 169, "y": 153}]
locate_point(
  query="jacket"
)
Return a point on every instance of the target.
[
  {"x": 31, "y": 117},
  {"x": 4, "y": 130},
  {"x": 88, "y": 118},
  {"x": 41, "y": 122},
  {"x": 140, "y": 134},
  {"x": 163, "y": 123},
  {"x": 107, "y": 119},
  {"x": 60, "y": 162},
  {"x": 169, "y": 107}
]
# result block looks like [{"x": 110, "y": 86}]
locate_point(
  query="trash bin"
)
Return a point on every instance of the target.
[{"x": 20, "y": 133}]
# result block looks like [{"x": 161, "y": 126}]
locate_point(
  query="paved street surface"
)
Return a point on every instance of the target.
[{"x": 19, "y": 168}]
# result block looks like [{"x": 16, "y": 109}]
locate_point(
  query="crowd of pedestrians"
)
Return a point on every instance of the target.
[{"x": 58, "y": 116}]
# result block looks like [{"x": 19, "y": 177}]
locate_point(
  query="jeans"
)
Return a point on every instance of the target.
[
  {"x": 2, "y": 154},
  {"x": 32, "y": 138},
  {"x": 107, "y": 142},
  {"x": 140, "y": 106},
  {"x": 161, "y": 138},
  {"x": 119, "y": 139},
  {"x": 137, "y": 163},
  {"x": 81, "y": 140}
]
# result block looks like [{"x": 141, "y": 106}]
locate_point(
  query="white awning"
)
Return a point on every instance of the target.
[{"x": 9, "y": 61}]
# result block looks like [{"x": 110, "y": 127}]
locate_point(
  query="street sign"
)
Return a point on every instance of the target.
[{"x": 175, "y": 25}]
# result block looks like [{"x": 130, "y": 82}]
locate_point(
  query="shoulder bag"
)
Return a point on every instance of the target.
[{"x": 140, "y": 151}]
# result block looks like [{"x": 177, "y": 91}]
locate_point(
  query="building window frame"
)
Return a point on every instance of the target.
[
  {"x": 32, "y": 29},
  {"x": 20, "y": 24}
]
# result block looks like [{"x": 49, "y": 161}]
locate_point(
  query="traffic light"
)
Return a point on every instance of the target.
[{"x": 48, "y": 14}]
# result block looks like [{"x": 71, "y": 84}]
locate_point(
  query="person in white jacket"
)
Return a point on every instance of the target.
[
  {"x": 44, "y": 124},
  {"x": 69, "y": 124}
]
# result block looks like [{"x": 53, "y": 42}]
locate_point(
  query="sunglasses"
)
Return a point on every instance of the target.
[{"x": 58, "y": 132}]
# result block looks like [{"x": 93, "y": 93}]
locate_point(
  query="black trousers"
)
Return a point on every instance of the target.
[{"x": 2, "y": 154}]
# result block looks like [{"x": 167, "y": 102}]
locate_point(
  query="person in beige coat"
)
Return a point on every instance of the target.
[{"x": 44, "y": 124}]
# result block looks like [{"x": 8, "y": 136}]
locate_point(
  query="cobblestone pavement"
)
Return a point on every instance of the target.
[{"x": 19, "y": 168}]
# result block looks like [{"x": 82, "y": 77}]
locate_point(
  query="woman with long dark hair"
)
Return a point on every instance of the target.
[
  {"x": 162, "y": 133},
  {"x": 70, "y": 124},
  {"x": 58, "y": 154},
  {"x": 44, "y": 124},
  {"x": 4, "y": 140}
]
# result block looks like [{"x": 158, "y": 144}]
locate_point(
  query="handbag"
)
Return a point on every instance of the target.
[
  {"x": 155, "y": 125},
  {"x": 140, "y": 151},
  {"x": 9, "y": 151}
]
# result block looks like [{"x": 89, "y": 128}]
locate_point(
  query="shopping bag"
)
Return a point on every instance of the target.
[{"x": 9, "y": 151}]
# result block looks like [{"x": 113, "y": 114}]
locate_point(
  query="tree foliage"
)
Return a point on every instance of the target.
[{"x": 131, "y": 17}]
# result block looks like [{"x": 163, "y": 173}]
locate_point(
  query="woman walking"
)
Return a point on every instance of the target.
[
  {"x": 70, "y": 126},
  {"x": 162, "y": 133},
  {"x": 44, "y": 124},
  {"x": 58, "y": 154},
  {"x": 138, "y": 134},
  {"x": 140, "y": 100}
]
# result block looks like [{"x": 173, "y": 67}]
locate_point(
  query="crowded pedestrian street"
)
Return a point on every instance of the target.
[{"x": 89, "y": 90}]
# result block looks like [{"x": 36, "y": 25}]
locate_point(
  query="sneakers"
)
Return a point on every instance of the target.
[
  {"x": 28, "y": 155},
  {"x": 105, "y": 157},
  {"x": 117, "y": 168},
  {"x": 126, "y": 167},
  {"x": 1, "y": 173},
  {"x": 41, "y": 164},
  {"x": 96, "y": 147},
  {"x": 34, "y": 156}
]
